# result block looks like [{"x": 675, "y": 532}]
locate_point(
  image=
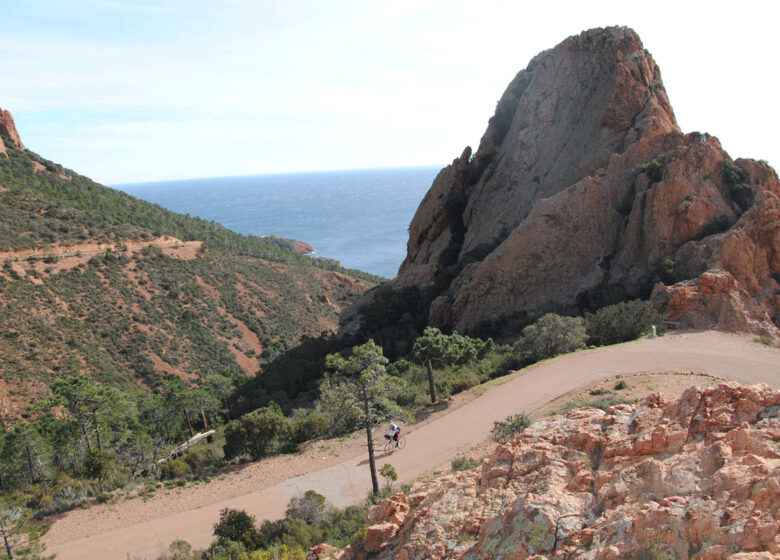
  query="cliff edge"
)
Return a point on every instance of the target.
[{"x": 585, "y": 192}]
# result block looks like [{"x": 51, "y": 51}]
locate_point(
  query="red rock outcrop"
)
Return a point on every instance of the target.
[
  {"x": 585, "y": 192},
  {"x": 8, "y": 129},
  {"x": 695, "y": 478}
]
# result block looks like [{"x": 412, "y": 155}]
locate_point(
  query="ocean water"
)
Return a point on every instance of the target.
[{"x": 359, "y": 217}]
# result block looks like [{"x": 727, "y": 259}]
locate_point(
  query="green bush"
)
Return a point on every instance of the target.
[
  {"x": 310, "y": 507},
  {"x": 620, "y": 385},
  {"x": 307, "y": 424},
  {"x": 236, "y": 525},
  {"x": 765, "y": 340},
  {"x": 622, "y": 322},
  {"x": 173, "y": 468},
  {"x": 653, "y": 169},
  {"x": 509, "y": 427},
  {"x": 201, "y": 459},
  {"x": 281, "y": 552},
  {"x": 253, "y": 433},
  {"x": 358, "y": 542},
  {"x": 551, "y": 335},
  {"x": 463, "y": 464}
]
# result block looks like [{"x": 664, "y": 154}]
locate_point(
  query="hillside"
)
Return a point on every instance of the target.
[
  {"x": 584, "y": 192},
  {"x": 94, "y": 281}
]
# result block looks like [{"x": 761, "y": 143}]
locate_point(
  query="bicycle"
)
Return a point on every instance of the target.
[{"x": 391, "y": 446}]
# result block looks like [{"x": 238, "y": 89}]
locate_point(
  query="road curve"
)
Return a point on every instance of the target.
[{"x": 434, "y": 444}]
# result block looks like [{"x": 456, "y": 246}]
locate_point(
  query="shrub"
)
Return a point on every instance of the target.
[
  {"x": 281, "y": 552},
  {"x": 666, "y": 270},
  {"x": 620, "y": 385},
  {"x": 236, "y": 525},
  {"x": 388, "y": 473},
  {"x": 510, "y": 427},
  {"x": 653, "y": 169},
  {"x": 201, "y": 458},
  {"x": 551, "y": 335},
  {"x": 173, "y": 468},
  {"x": 765, "y": 340},
  {"x": 622, "y": 322},
  {"x": 358, "y": 542},
  {"x": 309, "y": 507},
  {"x": 99, "y": 464},
  {"x": 463, "y": 464},
  {"x": 307, "y": 424},
  {"x": 253, "y": 433}
]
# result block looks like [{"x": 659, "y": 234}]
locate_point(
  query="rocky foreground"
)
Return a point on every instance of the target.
[{"x": 694, "y": 478}]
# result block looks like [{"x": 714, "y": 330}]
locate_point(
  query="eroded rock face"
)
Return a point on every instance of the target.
[
  {"x": 584, "y": 192},
  {"x": 698, "y": 477},
  {"x": 8, "y": 130}
]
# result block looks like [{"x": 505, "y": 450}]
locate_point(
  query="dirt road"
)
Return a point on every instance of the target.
[{"x": 431, "y": 446}]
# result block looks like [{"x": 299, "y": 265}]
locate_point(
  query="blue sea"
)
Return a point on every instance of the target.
[{"x": 360, "y": 217}]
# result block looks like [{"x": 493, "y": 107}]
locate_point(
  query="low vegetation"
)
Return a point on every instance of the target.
[{"x": 508, "y": 428}]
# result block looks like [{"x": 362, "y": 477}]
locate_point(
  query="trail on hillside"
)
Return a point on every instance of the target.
[{"x": 138, "y": 529}]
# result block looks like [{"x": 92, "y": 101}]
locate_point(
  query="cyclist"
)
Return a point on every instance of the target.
[{"x": 392, "y": 432}]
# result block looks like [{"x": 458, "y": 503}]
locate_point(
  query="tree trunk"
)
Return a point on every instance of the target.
[
  {"x": 86, "y": 434},
  {"x": 7, "y": 544},
  {"x": 189, "y": 424},
  {"x": 431, "y": 384},
  {"x": 370, "y": 442},
  {"x": 97, "y": 430},
  {"x": 30, "y": 463}
]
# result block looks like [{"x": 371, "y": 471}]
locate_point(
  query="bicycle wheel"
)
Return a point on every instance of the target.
[
  {"x": 389, "y": 447},
  {"x": 401, "y": 442}
]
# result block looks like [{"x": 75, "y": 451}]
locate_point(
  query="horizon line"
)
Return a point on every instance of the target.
[{"x": 313, "y": 171}]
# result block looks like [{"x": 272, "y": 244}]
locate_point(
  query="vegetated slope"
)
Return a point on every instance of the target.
[
  {"x": 697, "y": 477},
  {"x": 94, "y": 281},
  {"x": 584, "y": 192}
]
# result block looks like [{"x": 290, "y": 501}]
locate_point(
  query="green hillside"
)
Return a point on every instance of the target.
[{"x": 92, "y": 283}]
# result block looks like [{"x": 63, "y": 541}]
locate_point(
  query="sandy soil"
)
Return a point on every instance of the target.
[{"x": 142, "y": 528}]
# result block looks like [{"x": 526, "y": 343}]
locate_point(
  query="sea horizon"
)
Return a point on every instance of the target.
[{"x": 359, "y": 217}]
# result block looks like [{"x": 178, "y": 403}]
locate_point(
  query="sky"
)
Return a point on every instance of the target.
[{"x": 141, "y": 90}]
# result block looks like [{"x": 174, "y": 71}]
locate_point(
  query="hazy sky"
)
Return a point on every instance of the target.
[{"x": 136, "y": 90}]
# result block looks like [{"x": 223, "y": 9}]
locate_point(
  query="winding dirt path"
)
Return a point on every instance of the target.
[{"x": 137, "y": 529}]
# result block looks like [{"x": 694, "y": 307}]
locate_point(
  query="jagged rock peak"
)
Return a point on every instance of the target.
[
  {"x": 8, "y": 129},
  {"x": 584, "y": 192}
]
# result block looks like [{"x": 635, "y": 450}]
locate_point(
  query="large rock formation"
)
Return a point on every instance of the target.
[
  {"x": 695, "y": 478},
  {"x": 8, "y": 130},
  {"x": 585, "y": 192}
]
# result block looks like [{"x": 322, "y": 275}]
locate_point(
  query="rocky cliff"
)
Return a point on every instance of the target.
[
  {"x": 694, "y": 478},
  {"x": 584, "y": 192},
  {"x": 8, "y": 131}
]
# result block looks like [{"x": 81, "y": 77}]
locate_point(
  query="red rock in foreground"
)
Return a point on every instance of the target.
[{"x": 695, "y": 478}]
